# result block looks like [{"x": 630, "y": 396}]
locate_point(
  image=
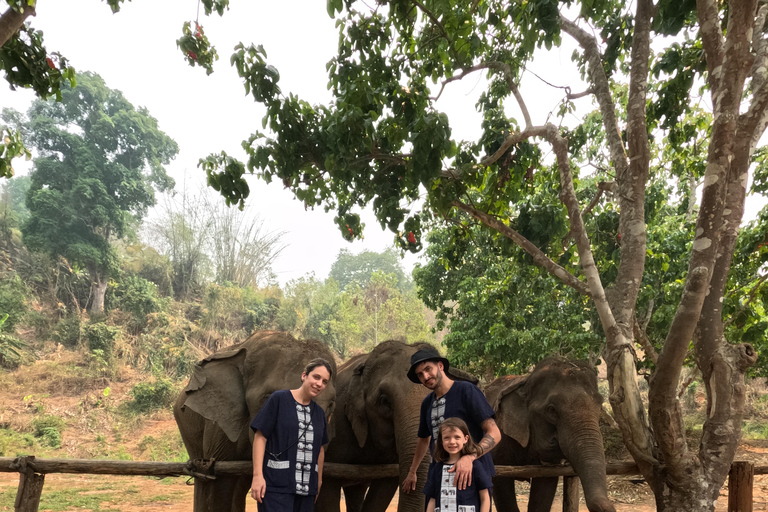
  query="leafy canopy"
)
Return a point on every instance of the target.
[{"x": 100, "y": 161}]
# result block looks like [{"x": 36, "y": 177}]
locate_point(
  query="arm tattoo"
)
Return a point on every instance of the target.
[{"x": 487, "y": 443}]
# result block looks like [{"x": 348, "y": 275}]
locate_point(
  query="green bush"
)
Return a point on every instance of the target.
[
  {"x": 48, "y": 429},
  {"x": 138, "y": 297},
  {"x": 50, "y": 437},
  {"x": 153, "y": 395},
  {"x": 69, "y": 331},
  {"x": 10, "y": 346},
  {"x": 101, "y": 339},
  {"x": 13, "y": 296}
]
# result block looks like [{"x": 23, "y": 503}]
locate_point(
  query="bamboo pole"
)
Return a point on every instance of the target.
[
  {"x": 740, "y": 481},
  {"x": 571, "y": 494}
]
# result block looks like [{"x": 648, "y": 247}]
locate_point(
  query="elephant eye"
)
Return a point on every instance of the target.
[
  {"x": 384, "y": 401},
  {"x": 552, "y": 412}
]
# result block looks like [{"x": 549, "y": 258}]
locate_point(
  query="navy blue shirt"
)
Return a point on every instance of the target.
[
  {"x": 464, "y": 400},
  {"x": 447, "y": 497},
  {"x": 295, "y": 433}
]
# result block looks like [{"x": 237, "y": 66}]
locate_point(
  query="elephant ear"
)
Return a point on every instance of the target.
[
  {"x": 355, "y": 406},
  {"x": 216, "y": 392},
  {"x": 511, "y": 409}
]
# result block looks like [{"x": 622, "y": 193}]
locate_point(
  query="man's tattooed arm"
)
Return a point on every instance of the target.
[{"x": 488, "y": 441}]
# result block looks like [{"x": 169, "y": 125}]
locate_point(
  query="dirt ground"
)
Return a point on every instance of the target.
[{"x": 143, "y": 494}]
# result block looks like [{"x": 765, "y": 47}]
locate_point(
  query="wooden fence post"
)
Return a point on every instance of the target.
[
  {"x": 740, "y": 480},
  {"x": 571, "y": 494},
  {"x": 30, "y": 487}
]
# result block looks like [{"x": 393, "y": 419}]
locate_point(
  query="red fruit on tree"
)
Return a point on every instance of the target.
[
  {"x": 411, "y": 237},
  {"x": 618, "y": 237},
  {"x": 192, "y": 55},
  {"x": 50, "y": 63}
]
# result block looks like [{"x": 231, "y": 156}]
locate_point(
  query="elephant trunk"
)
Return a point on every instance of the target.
[
  {"x": 406, "y": 435},
  {"x": 583, "y": 447}
]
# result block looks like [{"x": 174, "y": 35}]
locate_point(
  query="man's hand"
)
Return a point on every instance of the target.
[
  {"x": 409, "y": 484},
  {"x": 258, "y": 488},
  {"x": 463, "y": 469}
]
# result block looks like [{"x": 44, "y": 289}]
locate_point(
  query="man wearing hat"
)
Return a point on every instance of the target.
[{"x": 450, "y": 398}]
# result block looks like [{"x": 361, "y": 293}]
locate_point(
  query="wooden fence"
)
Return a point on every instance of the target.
[{"x": 32, "y": 475}]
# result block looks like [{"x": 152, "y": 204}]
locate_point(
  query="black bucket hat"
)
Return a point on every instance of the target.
[{"x": 426, "y": 354}]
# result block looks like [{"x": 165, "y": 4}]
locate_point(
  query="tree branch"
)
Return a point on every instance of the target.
[
  {"x": 712, "y": 39},
  {"x": 506, "y": 70},
  {"x": 11, "y": 21},
  {"x": 642, "y": 339},
  {"x": 538, "y": 255},
  {"x": 436, "y": 21},
  {"x": 577, "y": 95},
  {"x": 511, "y": 140},
  {"x": 602, "y": 92}
]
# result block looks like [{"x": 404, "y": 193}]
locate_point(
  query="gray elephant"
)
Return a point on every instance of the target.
[
  {"x": 224, "y": 394},
  {"x": 546, "y": 416},
  {"x": 376, "y": 422}
]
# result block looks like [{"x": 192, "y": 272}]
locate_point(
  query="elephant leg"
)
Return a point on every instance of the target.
[
  {"x": 329, "y": 499},
  {"x": 542, "y": 494},
  {"x": 504, "y": 497},
  {"x": 380, "y": 494},
  {"x": 354, "y": 497},
  {"x": 240, "y": 493}
]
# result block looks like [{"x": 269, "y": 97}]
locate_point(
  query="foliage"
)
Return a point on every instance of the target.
[
  {"x": 87, "y": 182},
  {"x": 101, "y": 341},
  {"x": 9, "y": 347},
  {"x": 13, "y": 300},
  {"x": 48, "y": 429},
  {"x": 147, "y": 263},
  {"x": 349, "y": 268},
  {"x": 138, "y": 297},
  {"x": 157, "y": 394},
  {"x": 166, "y": 345},
  {"x": 69, "y": 331},
  {"x": 197, "y": 48}
]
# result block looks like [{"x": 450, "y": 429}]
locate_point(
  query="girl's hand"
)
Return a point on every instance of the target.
[
  {"x": 463, "y": 469},
  {"x": 258, "y": 488}
]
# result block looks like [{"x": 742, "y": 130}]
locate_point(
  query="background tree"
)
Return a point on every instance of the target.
[
  {"x": 242, "y": 249},
  {"x": 100, "y": 159},
  {"x": 359, "y": 267},
  {"x": 383, "y": 142},
  {"x": 27, "y": 63}
]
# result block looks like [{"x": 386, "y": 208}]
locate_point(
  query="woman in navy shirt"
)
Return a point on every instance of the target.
[{"x": 290, "y": 432}]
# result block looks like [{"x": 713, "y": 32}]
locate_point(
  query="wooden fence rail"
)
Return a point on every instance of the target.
[{"x": 32, "y": 475}]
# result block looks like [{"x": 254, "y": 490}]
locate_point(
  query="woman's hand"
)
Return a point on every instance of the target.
[{"x": 258, "y": 488}]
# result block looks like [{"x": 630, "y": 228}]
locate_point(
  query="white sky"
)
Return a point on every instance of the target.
[{"x": 135, "y": 51}]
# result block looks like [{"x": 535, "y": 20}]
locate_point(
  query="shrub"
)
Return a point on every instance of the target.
[
  {"x": 13, "y": 295},
  {"x": 139, "y": 297},
  {"x": 153, "y": 395},
  {"x": 10, "y": 346},
  {"x": 48, "y": 429},
  {"x": 101, "y": 339},
  {"x": 68, "y": 331}
]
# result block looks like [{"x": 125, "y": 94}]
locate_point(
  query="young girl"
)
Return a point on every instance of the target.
[{"x": 453, "y": 442}]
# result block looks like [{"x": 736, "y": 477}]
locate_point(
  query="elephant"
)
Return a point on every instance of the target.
[
  {"x": 545, "y": 417},
  {"x": 377, "y": 422},
  {"x": 224, "y": 393}
]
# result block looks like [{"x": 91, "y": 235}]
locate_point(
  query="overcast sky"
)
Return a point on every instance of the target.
[{"x": 135, "y": 52}]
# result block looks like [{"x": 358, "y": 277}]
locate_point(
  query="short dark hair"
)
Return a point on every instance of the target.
[
  {"x": 470, "y": 448},
  {"x": 318, "y": 361}
]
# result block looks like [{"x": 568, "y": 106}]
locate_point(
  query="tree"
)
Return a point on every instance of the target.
[
  {"x": 383, "y": 142},
  {"x": 100, "y": 161},
  {"x": 28, "y": 64},
  {"x": 242, "y": 248},
  {"x": 349, "y": 268}
]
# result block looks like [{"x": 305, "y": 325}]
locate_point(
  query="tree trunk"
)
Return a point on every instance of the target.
[{"x": 98, "y": 291}]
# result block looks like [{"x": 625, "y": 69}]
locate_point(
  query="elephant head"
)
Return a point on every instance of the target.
[
  {"x": 223, "y": 395},
  {"x": 553, "y": 414}
]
